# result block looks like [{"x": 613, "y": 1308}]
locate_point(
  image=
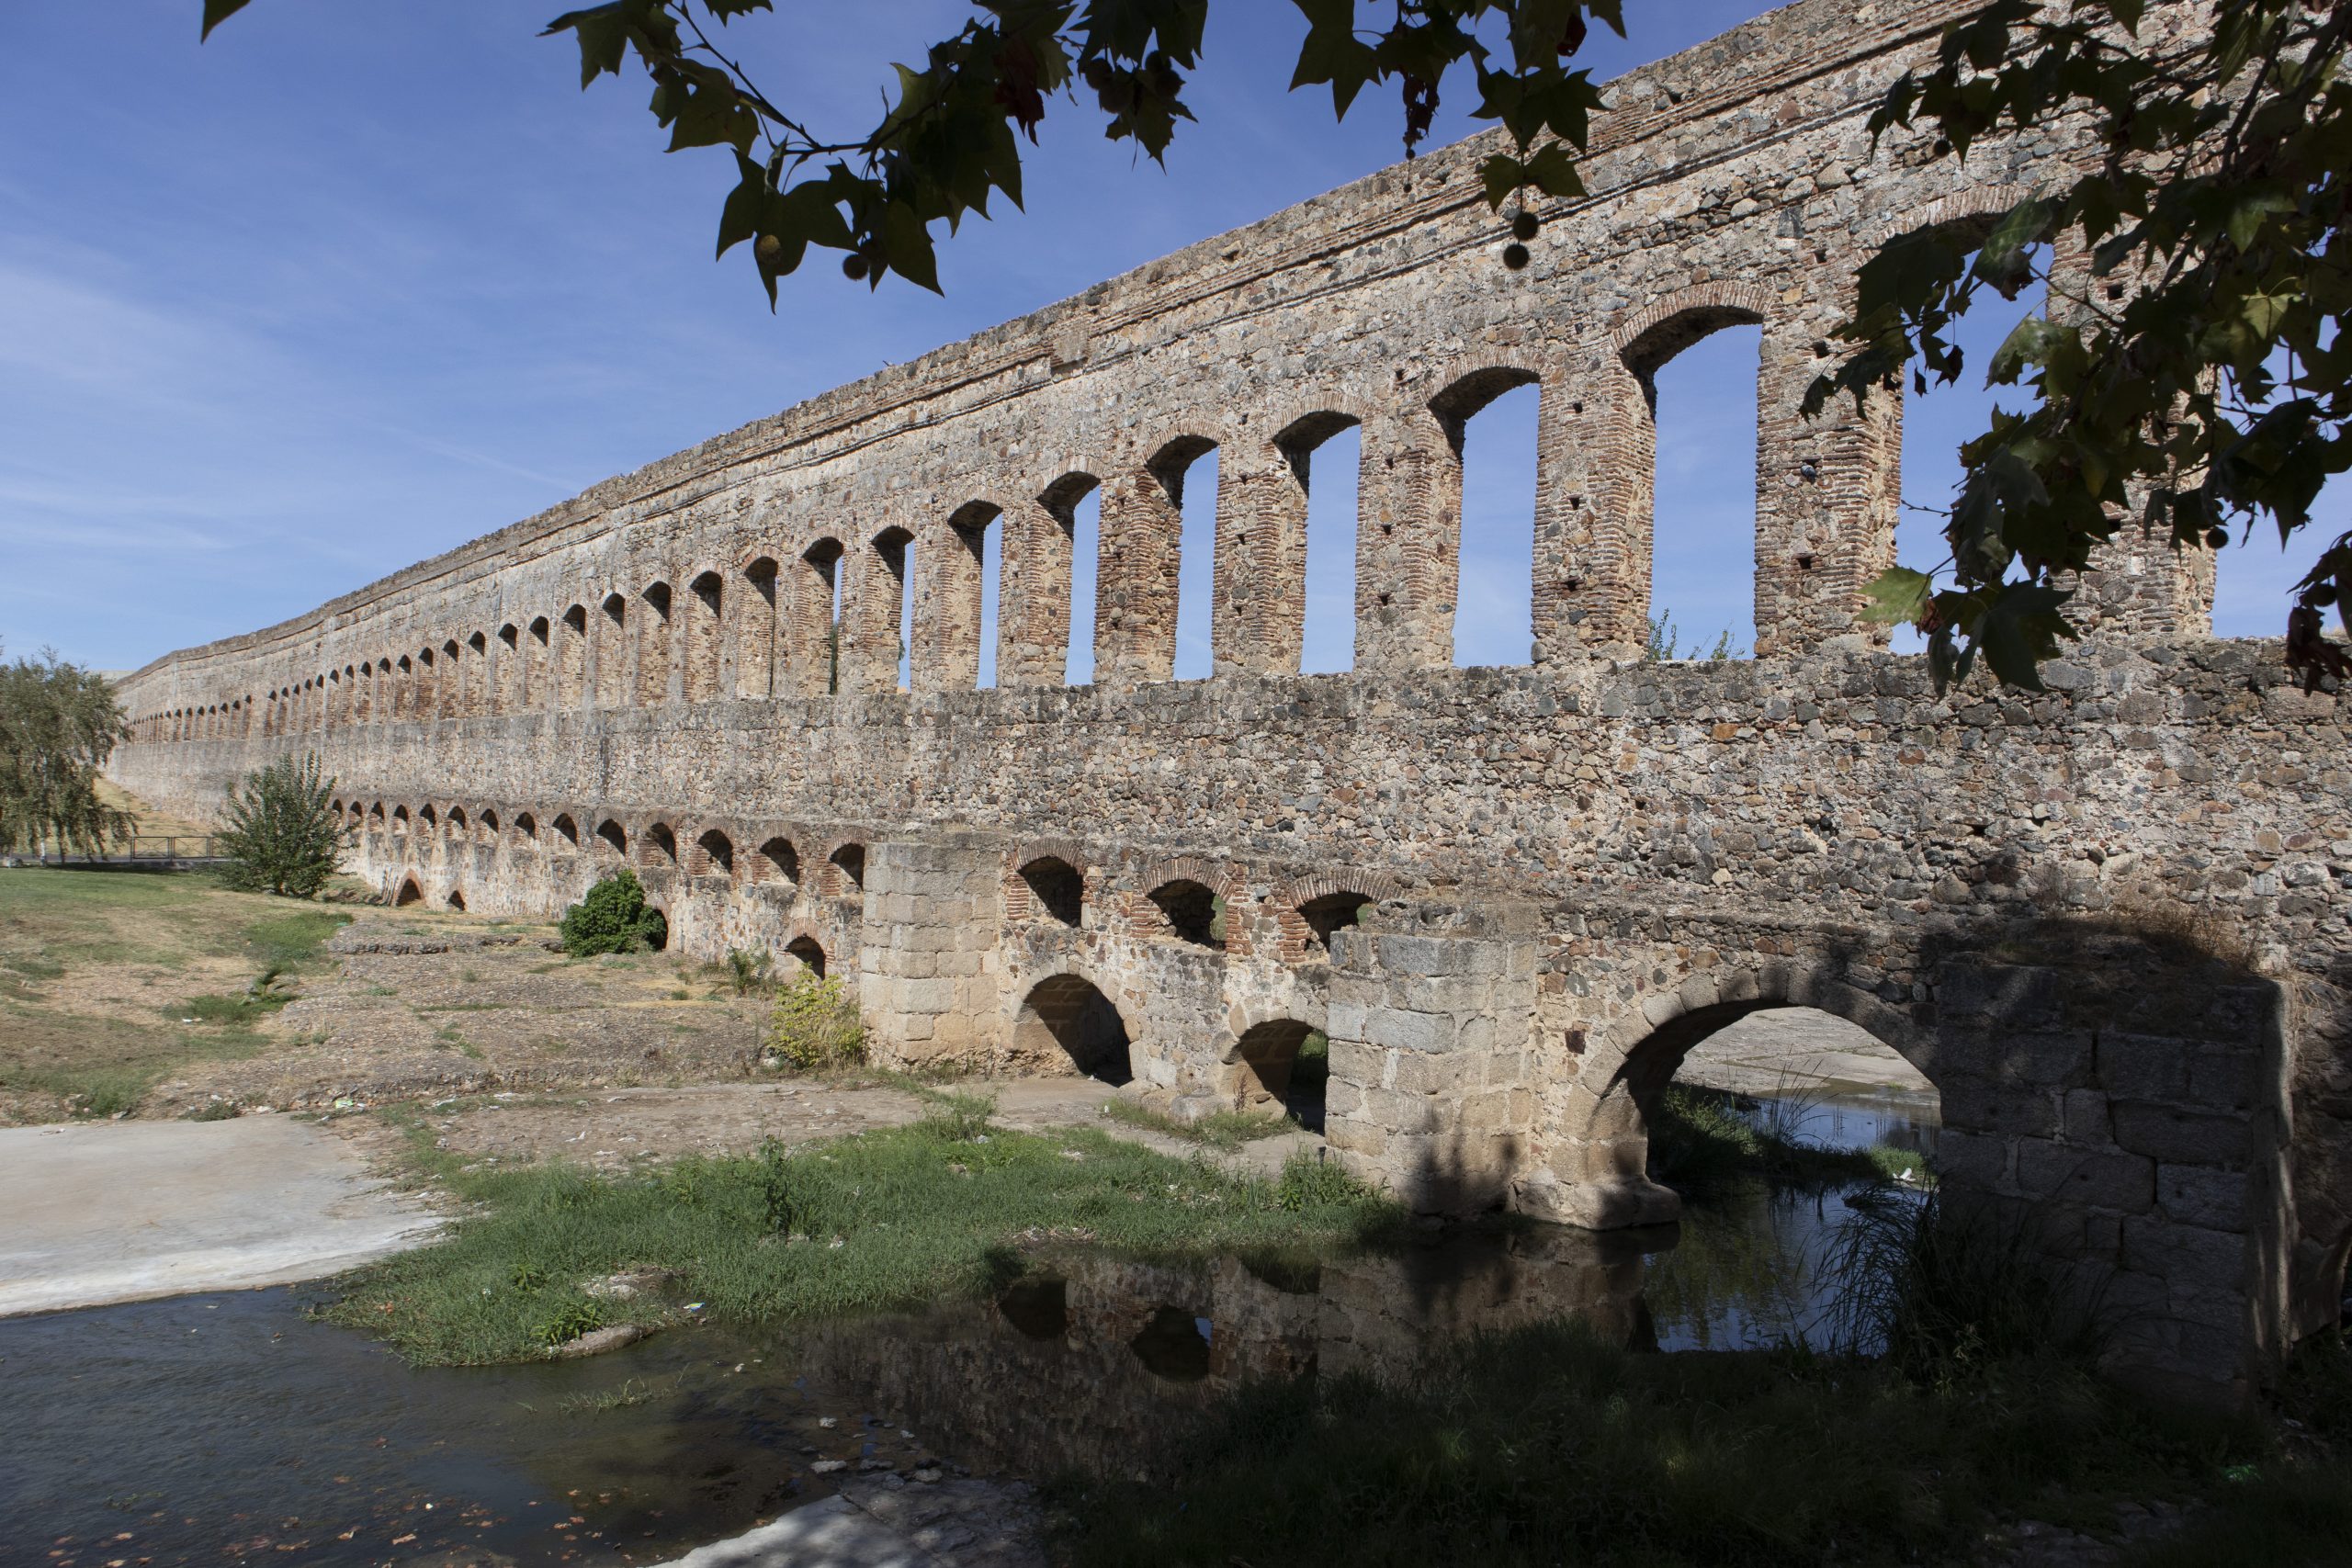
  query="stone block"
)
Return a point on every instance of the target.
[
  {"x": 2200, "y": 1195},
  {"x": 1418, "y": 955},
  {"x": 2055, "y": 1172},
  {"x": 1400, "y": 1031},
  {"x": 2143, "y": 1066},
  {"x": 2172, "y": 1134}
]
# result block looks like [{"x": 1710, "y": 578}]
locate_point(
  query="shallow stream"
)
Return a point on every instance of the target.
[{"x": 229, "y": 1427}]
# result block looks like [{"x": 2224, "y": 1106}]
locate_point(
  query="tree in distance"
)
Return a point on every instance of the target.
[{"x": 59, "y": 726}]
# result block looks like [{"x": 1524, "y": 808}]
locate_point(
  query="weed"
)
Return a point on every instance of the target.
[
  {"x": 814, "y": 1027},
  {"x": 1944, "y": 1291},
  {"x": 569, "y": 1321},
  {"x": 1226, "y": 1130},
  {"x": 216, "y": 1111},
  {"x": 748, "y": 970},
  {"x": 958, "y": 1117},
  {"x": 921, "y": 1211},
  {"x": 599, "y": 1402},
  {"x": 1314, "y": 1181},
  {"x": 449, "y": 1035}
]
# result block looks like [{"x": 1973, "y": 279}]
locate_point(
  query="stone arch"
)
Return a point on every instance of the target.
[
  {"x": 1190, "y": 911},
  {"x": 409, "y": 892},
  {"x": 756, "y": 633},
  {"x": 614, "y": 837},
  {"x": 1048, "y": 576},
  {"x": 815, "y": 649},
  {"x": 612, "y": 651},
  {"x": 571, "y": 659},
  {"x": 1602, "y": 1138},
  {"x": 1264, "y": 1056},
  {"x": 1142, "y": 557},
  {"x": 959, "y": 580},
  {"x": 566, "y": 830},
  {"x": 658, "y": 848},
  {"x": 809, "y": 952},
  {"x": 457, "y": 899},
  {"x": 1462, "y": 400},
  {"x": 1066, "y": 1023},
  {"x": 1310, "y": 909},
  {"x": 705, "y": 637},
  {"x": 777, "y": 861},
  {"x": 846, "y": 876},
  {"x": 655, "y": 636},
  {"x": 526, "y": 828},
  {"x": 1054, "y": 887},
  {"x": 888, "y": 621},
  {"x": 1261, "y": 621},
  {"x": 714, "y": 855},
  {"x": 508, "y": 690},
  {"x": 488, "y": 824}
]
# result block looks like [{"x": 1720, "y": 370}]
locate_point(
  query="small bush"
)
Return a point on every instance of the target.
[
  {"x": 748, "y": 970},
  {"x": 815, "y": 1027},
  {"x": 282, "y": 835},
  {"x": 613, "y": 918},
  {"x": 569, "y": 1322}
]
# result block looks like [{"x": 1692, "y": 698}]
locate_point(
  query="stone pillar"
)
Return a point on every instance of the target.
[
  {"x": 927, "y": 961},
  {"x": 1827, "y": 489},
  {"x": 1432, "y": 1023},
  {"x": 1409, "y": 529},
  {"x": 1135, "y": 580}
]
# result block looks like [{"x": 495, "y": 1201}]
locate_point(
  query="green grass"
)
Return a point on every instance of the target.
[
  {"x": 58, "y": 926},
  {"x": 1545, "y": 1446},
  {"x": 1701, "y": 1145},
  {"x": 1226, "y": 1130},
  {"x": 938, "y": 1208}
]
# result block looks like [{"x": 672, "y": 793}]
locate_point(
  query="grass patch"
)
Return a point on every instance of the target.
[
  {"x": 142, "y": 935},
  {"x": 939, "y": 1208},
  {"x": 1545, "y": 1446},
  {"x": 1226, "y": 1130},
  {"x": 1700, "y": 1144}
]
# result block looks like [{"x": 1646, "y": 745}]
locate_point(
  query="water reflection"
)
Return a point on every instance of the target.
[{"x": 218, "y": 1428}]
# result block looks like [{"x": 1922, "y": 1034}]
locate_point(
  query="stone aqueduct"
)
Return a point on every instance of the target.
[{"x": 2110, "y": 923}]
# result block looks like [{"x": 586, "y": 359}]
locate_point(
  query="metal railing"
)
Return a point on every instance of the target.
[{"x": 148, "y": 848}]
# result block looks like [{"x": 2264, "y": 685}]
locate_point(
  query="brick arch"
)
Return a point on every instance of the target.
[
  {"x": 1602, "y": 1138},
  {"x": 1724, "y": 299},
  {"x": 1966, "y": 203},
  {"x": 1293, "y": 894}
]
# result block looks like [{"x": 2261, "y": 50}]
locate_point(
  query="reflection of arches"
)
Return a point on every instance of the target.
[
  {"x": 410, "y": 893},
  {"x": 812, "y": 956},
  {"x": 1066, "y": 1021},
  {"x": 1057, "y": 887}
]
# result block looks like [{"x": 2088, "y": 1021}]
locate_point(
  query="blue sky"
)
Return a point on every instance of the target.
[{"x": 354, "y": 282}]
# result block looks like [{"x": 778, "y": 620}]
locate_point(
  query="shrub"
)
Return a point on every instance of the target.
[
  {"x": 613, "y": 918},
  {"x": 282, "y": 836},
  {"x": 748, "y": 970},
  {"x": 814, "y": 1026}
]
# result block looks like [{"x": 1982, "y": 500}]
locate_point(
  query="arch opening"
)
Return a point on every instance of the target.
[
  {"x": 779, "y": 861},
  {"x": 1311, "y": 523},
  {"x": 715, "y": 854},
  {"x": 458, "y": 900},
  {"x": 653, "y": 646},
  {"x": 849, "y": 862},
  {"x": 1486, "y": 501},
  {"x": 1057, "y": 887},
  {"x": 1073, "y": 503},
  {"x": 971, "y": 589},
  {"x": 820, "y": 614},
  {"x": 755, "y": 646},
  {"x": 1285, "y": 1066},
  {"x": 660, "y": 847},
  {"x": 705, "y": 610},
  {"x": 894, "y": 558},
  {"x": 1702, "y": 366},
  {"x": 1193, "y": 912},
  {"x": 410, "y": 893},
  {"x": 566, "y": 831},
  {"x": 810, "y": 956},
  {"x": 1066, "y": 1022},
  {"x": 1331, "y": 912},
  {"x": 612, "y": 653},
  {"x": 613, "y": 837}
]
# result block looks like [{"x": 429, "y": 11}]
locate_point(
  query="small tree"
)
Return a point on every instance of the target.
[
  {"x": 59, "y": 724},
  {"x": 613, "y": 918},
  {"x": 282, "y": 836}
]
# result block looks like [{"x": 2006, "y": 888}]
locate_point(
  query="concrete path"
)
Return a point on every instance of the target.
[{"x": 125, "y": 1211}]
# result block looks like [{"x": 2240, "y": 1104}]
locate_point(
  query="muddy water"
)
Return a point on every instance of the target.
[{"x": 231, "y": 1428}]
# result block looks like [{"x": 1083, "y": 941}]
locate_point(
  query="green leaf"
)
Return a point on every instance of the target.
[
  {"x": 1897, "y": 597},
  {"x": 1501, "y": 174},
  {"x": 1333, "y": 54},
  {"x": 2028, "y": 342},
  {"x": 219, "y": 11},
  {"x": 907, "y": 246},
  {"x": 2021, "y": 629}
]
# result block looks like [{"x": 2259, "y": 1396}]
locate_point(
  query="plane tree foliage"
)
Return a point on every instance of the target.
[{"x": 2188, "y": 380}]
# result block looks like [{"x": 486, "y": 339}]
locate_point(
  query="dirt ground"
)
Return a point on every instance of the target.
[{"x": 423, "y": 1005}]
